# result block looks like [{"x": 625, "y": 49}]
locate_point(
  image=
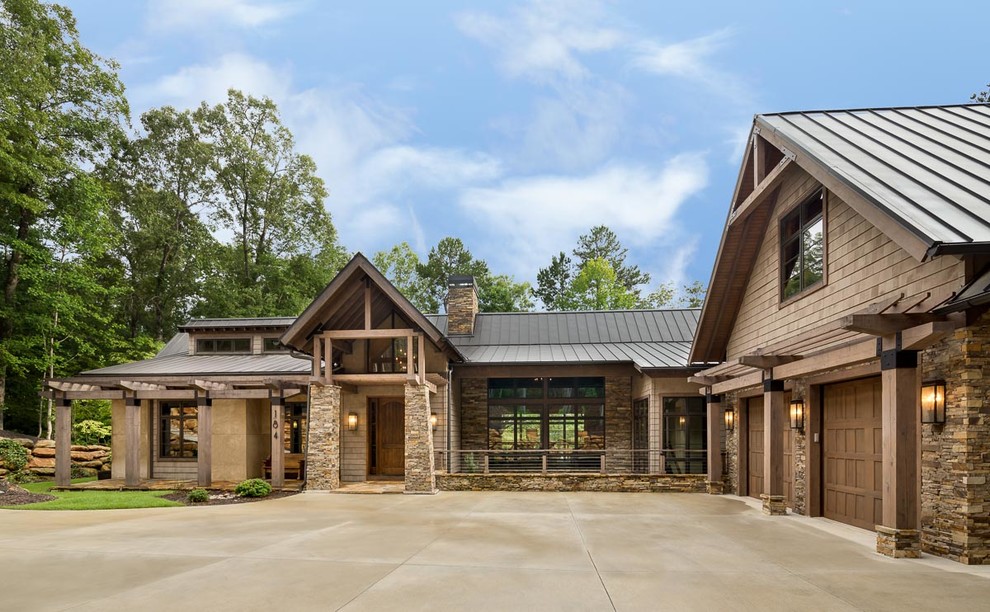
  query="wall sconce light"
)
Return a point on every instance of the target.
[
  {"x": 433, "y": 421},
  {"x": 730, "y": 419},
  {"x": 933, "y": 402},
  {"x": 352, "y": 421},
  {"x": 797, "y": 414}
]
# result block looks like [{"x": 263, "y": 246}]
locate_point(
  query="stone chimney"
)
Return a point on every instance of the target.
[{"x": 462, "y": 305}]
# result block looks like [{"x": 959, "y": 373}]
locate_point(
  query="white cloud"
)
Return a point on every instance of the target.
[
  {"x": 531, "y": 217},
  {"x": 544, "y": 39},
  {"x": 184, "y": 15}
]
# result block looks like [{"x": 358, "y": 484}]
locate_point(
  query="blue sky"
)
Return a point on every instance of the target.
[{"x": 517, "y": 126}]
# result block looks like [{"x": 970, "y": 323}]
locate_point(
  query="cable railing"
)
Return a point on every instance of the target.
[{"x": 573, "y": 461}]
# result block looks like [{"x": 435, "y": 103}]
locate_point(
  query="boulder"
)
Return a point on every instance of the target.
[
  {"x": 40, "y": 462},
  {"x": 82, "y": 455},
  {"x": 44, "y": 451},
  {"x": 43, "y": 471},
  {"x": 91, "y": 464},
  {"x": 44, "y": 444}
]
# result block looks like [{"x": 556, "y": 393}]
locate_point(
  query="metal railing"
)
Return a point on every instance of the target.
[{"x": 559, "y": 461}]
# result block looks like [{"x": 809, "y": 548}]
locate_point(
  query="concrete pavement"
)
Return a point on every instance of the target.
[{"x": 464, "y": 551}]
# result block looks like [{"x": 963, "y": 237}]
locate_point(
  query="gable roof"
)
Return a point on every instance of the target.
[
  {"x": 345, "y": 294},
  {"x": 646, "y": 338},
  {"x": 919, "y": 174}
]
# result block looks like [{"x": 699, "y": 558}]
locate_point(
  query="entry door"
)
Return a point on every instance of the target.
[
  {"x": 852, "y": 450},
  {"x": 755, "y": 438},
  {"x": 389, "y": 442}
]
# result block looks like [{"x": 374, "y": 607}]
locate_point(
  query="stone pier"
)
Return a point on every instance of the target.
[
  {"x": 420, "y": 469},
  {"x": 323, "y": 446}
]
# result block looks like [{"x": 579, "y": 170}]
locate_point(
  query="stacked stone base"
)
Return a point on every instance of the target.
[
  {"x": 774, "y": 505},
  {"x": 323, "y": 446},
  {"x": 715, "y": 487},
  {"x": 606, "y": 483},
  {"x": 898, "y": 543}
]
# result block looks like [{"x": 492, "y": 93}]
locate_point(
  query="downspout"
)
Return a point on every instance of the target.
[{"x": 450, "y": 408}]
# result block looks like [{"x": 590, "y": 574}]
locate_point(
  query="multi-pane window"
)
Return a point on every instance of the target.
[
  {"x": 178, "y": 430},
  {"x": 685, "y": 442},
  {"x": 223, "y": 345},
  {"x": 802, "y": 242},
  {"x": 546, "y": 413},
  {"x": 295, "y": 427}
]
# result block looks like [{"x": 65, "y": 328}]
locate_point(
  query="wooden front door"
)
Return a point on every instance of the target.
[
  {"x": 852, "y": 449},
  {"x": 387, "y": 433},
  {"x": 755, "y": 445}
]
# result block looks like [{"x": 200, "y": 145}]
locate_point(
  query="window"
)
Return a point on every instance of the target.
[
  {"x": 802, "y": 252},
  {"x": 295, "y": 428},
  {"x": 684, "y": 438},
  {"x": 178, "y": 430},
  {"x": 546, "y": 413},
  {"x": 272, "y": 345},
  {"x": 641, "y": 435},
  {"x": 223, "y": 345}
]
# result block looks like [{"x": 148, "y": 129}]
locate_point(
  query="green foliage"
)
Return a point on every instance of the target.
[
  {"x": 554, "y": 282},
  {"x": 13, "y": 455},
  {"x": 666, "y": 295},
  {"x": 400, "y": 265},
  {"x": 198, "y": 496},
  {"x": 602, "y": 243},
  {"x": 982, "y": 97},
  {"x": 596, "y": 287},
  {"x": 100, "y": 500},
  {"x": 253, "y": 487},
  {"x": 90, "y": 432}
]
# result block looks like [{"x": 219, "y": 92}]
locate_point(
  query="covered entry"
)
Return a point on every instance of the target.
[{"x": 852, "y": 449}]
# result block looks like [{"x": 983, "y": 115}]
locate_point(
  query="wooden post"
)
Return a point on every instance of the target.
[
  {"x": 132, "y": 442},
  {"x": 278, "y": 444},
  {"x": 715, "y": 427},
  {"x": 900, "y": 406},
  {"x": 63, "y": 442},
  {"x": 328, "y": 360},
  {"x": 421, "y": 347},
  {"x": 773, "y": 446},
  {"x": 367, "y": 305},
  {"x": 204, "y": 450},
  {"x": 410, "y": 370},
  {"x": 317, "y": 353}
]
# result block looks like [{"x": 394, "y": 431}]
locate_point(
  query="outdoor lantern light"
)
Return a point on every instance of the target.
[
  {"x": 933, "y": 402},
  {"x": 433, "y": 420},
  {"x": 352, "y": 421},
  {"x": 730, "y": 419},
  {"x": 797, "y": 414}
]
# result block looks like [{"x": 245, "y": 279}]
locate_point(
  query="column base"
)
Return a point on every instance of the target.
[
  {"x": 898, "y": 543},
  {"x": 715, "y": 487},
  {"x": 774, "y": 505},
  {"x": 433, "y": 492}
]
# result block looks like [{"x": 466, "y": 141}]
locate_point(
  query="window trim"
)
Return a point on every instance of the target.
[
  {"x": 249, "y": 351},
  {"x": 686, "y": 413},
  {"x": 810, "y": 289}
]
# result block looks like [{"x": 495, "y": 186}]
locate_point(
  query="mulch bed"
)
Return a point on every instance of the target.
[
  {"x": 223, "y": 498},
  {"x": 13, "y": 495}
]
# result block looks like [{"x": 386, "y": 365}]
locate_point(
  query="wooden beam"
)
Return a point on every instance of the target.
[
  {"x": 59, "y": 385},
  {"x": 366, "y": 334},
  {"x": 708, "y": 381},
  {"x": 209, "y": 385},
  {"x": 765, "y": 362},
  {"x": 437, "y": 379},
  {"x": 63, "y": 442},
  {"x": 328, "y": 360},
  {"x": 900, "y": 400},
  {"x": 132, "y": 442},
  {"x": 132, "y": 385},
  {"x": 774, "y": 416},
  {"x": 923, "y": 336},
  {"x": 886, "y": 323},
  {"x": 410, "y": 363},
  {"x": 421, "y": 352},
  {"x": 317, "y": 356},
  {"x": 739, "y": 382},
  {"x": 167, "y": 394},
  {"x": 845, "y": 355},
  {"x": 101, "y": 394},
  {"x": 367, "y": 304},
  {"x": 760, "y": 193},
  {"x": 204, "y": 446}
]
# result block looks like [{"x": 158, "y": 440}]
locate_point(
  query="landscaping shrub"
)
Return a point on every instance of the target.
[
  {"x": 14, "y": 456},
  {"x": 198, "y": 496},
  {"x": 253, "y": 487},
  {"x": 91, "y": 432}
]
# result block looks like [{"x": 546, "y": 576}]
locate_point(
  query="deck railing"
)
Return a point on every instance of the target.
[{"x": 556, "y": 461}]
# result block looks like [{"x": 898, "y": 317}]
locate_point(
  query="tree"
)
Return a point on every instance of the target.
[
  {"x": 602, "y": 243},
  {"x": 554, "y": 282},
  {"x": 982, "y": 97},
  {"x": 667, "y": 296},
  {"x": 61, "y": 106},
  {"x": 596, "y": 287},
  {"x": 447, "y": 258},
  {"x": 272, "y": 201},
  {"x": 400, "y": 266},
  {"x": 502, "y": 294}
]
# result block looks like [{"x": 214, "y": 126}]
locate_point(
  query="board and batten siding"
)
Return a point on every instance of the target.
[{"x": 863, "y": 266}]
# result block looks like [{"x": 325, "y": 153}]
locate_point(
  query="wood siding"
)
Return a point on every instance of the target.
[{"x": 862, "y": 264}]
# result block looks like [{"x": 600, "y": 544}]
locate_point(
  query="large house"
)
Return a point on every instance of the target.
[
  {"x": 848, "y": 308},
  {"x": 363, "y": 387}
]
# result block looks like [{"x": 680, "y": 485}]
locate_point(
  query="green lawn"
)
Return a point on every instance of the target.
[{"x": 93, "y": 500}]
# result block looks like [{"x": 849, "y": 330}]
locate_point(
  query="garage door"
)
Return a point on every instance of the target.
[
  {"x": 852, "y": 452},
  {"x": 755, "y": 446}
]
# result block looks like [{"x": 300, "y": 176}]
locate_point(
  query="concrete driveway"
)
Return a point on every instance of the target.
[{"x": 464, "y": 551}]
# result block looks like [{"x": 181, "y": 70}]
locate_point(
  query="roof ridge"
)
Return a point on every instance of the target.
[{"x": 870, "y": 108}]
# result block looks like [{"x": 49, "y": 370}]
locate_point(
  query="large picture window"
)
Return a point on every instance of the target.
[
  {"x": 179, "y": 430},
  {"x": 802, "y": 247},
  {"x": 685, "y": 441},
  {"x": 546, "y": 413}
]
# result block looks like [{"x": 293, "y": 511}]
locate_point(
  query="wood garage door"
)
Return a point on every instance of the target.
[
  {"x": 852, "y": 452},
  {"x": 755, "y": 446}
]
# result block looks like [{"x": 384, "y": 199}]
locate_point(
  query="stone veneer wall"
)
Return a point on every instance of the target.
[
  {"x": 618, "y": 421},
  {"x": 631, "y": 483},
  {"x": 420, "y": 468},
  {"x": 87, "y": 460},
  {"x": 474, "y": 413},
  {"x": 730, "y": 401},
  {"x": 955, "y": 457},
  {"x": 462, "y": 306},
  {"x": 799, "y": 449},
  {"x": 323, "y": 444}
]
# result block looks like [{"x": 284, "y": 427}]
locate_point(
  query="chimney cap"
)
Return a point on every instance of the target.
[{"x": 460, "y": 280}]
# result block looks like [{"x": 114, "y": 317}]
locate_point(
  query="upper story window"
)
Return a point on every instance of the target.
[
  {"x": 272, "y": 345},
  {"x": 223, "y": 345},
  {"x": 802, "y": 247}
]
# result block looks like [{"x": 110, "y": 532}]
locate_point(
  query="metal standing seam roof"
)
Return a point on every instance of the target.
[
  {"x": 928, "y": 167},
  {"x": 647, "y": 338},
  {"x": 238, "y": 323}
]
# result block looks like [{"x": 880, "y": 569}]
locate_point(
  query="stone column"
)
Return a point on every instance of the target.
[
  {"x": 132, "y": 442},
  {"x": 277, "y": 443},
  {"x": 420, "y": 469},
  {"x": 323, "y": 445},
  {"x": 715, "y": 426},
  {"x": 618, "y": 424},
  {"x": 773, "y": 447},
  {"x": 63, "y": 442},
  {"x": 900, "y": 406},
  {"x": 204, "y": 450}
]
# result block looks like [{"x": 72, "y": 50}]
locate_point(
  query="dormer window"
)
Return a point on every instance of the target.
[
  {"x": 223, "y": 345},
  {"x": 802, "y": 247}
]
